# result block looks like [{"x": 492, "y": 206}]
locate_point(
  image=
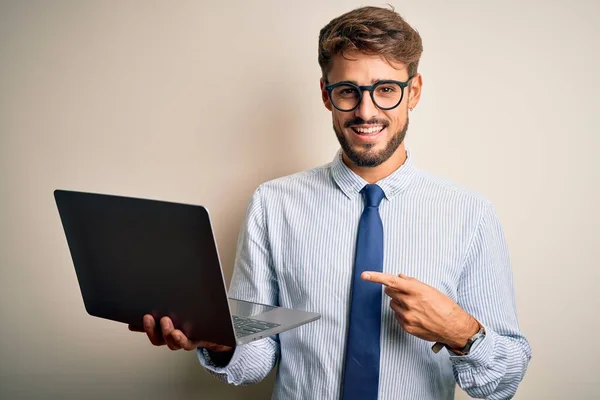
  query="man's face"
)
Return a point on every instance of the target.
[{"x": 368, "y": 135}]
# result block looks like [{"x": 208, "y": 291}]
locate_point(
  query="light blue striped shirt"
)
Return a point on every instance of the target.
[{"x": 296, "y": 250}]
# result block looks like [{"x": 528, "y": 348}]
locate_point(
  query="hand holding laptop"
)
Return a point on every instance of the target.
[
  {"x": 166, "y": 334},
  {"x": 120, "y": 247}
]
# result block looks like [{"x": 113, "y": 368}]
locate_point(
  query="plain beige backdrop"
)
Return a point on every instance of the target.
[{"x": 200, "y": 101}]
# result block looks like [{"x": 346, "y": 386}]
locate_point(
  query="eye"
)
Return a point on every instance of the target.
[
  {"x": 387, "y": 89},
  {"x": 347, "y": 91}
]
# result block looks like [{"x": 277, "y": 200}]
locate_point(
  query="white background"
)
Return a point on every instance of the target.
[{"x": 201, "y": 101}]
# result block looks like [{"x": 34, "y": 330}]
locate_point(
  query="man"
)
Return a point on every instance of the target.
[{"x": 398, "y": 262}]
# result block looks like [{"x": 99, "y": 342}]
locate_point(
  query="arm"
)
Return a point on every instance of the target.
[
  {"x": 253, "y": 280},
  {"x": 496, "y": 364}
]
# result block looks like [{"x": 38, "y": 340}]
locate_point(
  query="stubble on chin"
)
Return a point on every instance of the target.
[{"x": 365, "y": 155}]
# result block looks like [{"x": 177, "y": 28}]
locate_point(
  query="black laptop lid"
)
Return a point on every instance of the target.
[{"x": 137, "y": 256}]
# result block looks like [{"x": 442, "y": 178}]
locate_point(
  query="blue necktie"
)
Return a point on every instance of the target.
[{"x": 361, "y": 368}]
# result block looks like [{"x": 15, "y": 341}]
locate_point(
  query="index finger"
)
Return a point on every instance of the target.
[
  {"x": 153, "y": 331},
  {"x": 389, "y": 280}
]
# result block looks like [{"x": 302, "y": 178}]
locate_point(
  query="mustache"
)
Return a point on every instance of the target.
[{"x": 360, "y": 121}]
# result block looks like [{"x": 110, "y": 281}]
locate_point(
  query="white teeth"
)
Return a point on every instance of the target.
[{"x": 374, "y": 129}]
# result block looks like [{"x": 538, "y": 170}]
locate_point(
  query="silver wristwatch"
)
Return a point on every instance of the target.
[{"x": 480, "y": 334}]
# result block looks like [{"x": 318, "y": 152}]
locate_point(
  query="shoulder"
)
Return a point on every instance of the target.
[
  {"x": 448, "y": 194},
  {"x": 438, "y": 184},
  {"x": 298, "y": 183}
]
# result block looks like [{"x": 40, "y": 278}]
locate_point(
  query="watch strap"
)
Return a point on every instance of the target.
[{"x": 478, "y": 335}]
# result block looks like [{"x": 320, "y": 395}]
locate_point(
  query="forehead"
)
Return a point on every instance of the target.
[{"x": 365, "y": 69}]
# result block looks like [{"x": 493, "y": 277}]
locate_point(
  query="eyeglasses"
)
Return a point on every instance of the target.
[{"x": 386, "y": 95}]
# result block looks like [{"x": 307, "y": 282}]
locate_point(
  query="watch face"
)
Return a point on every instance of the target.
[
  {"x": 479, "y": 334},
  {"x": 472, "y": 340}
]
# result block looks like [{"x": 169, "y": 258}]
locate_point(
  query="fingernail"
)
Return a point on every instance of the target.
[
  {"x": 367, "y": 275},
  {"x": 177, "y": 337}
]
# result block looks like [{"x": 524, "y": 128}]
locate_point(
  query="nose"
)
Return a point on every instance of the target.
[{"x": 366, "y": 108}]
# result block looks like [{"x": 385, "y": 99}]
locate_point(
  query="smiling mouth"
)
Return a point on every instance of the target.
[{"x": 368, "y": 130}]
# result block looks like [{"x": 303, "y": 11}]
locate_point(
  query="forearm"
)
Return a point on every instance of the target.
[
  {"x": 250, "y": 363},
  {"x": 253, "y": 280},
  {"x": 494, "y": 367},
  {"x": 496, "y": 364}
]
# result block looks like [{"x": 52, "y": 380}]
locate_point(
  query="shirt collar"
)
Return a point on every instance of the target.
[{"x": 351, "y": 184}]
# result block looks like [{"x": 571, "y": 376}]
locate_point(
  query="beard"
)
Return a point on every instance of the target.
[{"x": 370, "y": 157}]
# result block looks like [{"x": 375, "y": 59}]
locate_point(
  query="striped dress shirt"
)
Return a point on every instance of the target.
[{"x": 296, "y": 249}]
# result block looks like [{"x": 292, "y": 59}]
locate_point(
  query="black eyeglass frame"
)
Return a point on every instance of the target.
[{"x": 370, "y": 89}]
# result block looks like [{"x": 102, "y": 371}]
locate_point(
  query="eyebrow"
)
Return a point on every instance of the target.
[{"x": 373, "y": 81}]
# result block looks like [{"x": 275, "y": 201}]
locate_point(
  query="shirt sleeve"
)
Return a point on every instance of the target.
[
  {"x": 253, "y": 280},
  {"x": 495, "y": 366}
]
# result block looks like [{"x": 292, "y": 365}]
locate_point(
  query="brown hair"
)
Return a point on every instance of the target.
[{"x": 372, "y": 31}]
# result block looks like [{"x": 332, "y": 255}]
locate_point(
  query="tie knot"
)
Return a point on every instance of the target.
[{"x": 373, "y": 195}]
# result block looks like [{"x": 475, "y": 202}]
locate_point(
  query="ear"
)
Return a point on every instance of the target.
[
  {"x": 325, "y": 96},
  {"x": 414, "y": 94}
]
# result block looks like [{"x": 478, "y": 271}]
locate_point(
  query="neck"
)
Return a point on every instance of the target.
[{"x": 375, "y": 174}]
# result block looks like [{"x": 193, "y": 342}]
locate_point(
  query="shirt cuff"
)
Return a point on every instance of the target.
[
  {"x": 208, "y": 363},
  {"x": 480, "y": 354}
]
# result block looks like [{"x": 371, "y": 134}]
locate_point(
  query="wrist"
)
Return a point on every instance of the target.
[
  {"x": 461, "y": 338},
  {"x": 220, "y": 358}
]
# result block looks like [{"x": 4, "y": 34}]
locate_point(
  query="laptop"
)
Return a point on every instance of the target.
[{"x": 135, "y": 256}]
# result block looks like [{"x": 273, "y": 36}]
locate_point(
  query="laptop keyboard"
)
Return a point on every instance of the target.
[{"x": 248, "y": 326}]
